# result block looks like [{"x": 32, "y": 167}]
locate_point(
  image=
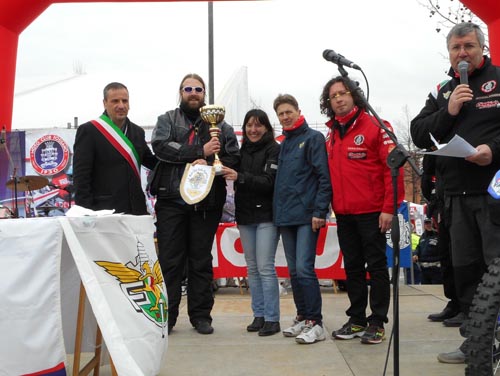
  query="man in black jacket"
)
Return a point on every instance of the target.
[
  {"x": 107, "y": 159},
  {"x": 186, "y": 232},
  {"x": 472, "y": 112}
]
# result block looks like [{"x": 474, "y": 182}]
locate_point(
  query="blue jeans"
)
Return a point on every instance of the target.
[
  {"x": 259, "y": 247},
  {"x": 300, "y": 252}
]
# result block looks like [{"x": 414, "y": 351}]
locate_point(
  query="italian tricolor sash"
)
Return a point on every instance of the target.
[{"x": 120, "y": 142}]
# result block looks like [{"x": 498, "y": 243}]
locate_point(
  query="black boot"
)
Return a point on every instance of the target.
[
  {"x": 204, "y": 327},
  {"x": 256, "y": 325},
  {"x": 456, "y": 320},
  {"x": 270, "y": 328},
  {"x": 447, "y": 313}
]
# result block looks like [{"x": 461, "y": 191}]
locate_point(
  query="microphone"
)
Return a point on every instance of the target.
[
  {"x": 331, "y": 55},
  {"x": 462, "y": 70}
]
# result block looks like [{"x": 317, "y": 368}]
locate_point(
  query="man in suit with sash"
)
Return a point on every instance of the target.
[{"x": 107, "y": 158}]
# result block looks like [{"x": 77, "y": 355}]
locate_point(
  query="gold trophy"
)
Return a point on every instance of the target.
[{"x": 213, "y": 115}]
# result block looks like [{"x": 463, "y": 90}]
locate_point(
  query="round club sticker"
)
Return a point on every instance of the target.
[{"x": 49, "y": 155}]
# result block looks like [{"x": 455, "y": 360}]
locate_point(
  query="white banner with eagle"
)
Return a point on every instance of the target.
[{"x": 116, "y": 259}]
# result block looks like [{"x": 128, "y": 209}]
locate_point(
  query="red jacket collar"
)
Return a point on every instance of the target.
[
  {"x": 344, "y": 119},
  {"x": 298, "y": 124}
]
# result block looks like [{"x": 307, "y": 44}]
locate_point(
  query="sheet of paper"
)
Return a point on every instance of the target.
[
  {"x": 78, "y": 211},
  {"x": 457, "y": 147}
]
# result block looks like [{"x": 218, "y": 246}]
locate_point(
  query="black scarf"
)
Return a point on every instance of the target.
[
  {"x": 252, "y": 147},
  {"x": 343, "y": 128}
]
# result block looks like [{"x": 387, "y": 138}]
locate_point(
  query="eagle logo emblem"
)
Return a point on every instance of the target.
[{"x": 141, "y": 282}]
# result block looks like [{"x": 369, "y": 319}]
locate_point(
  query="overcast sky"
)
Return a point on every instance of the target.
[{"x": 151, "y": 46}]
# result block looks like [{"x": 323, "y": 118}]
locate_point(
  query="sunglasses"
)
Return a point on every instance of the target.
[
  {"x": 190, "y": 89},
  {"x": 339, "y": 94}
]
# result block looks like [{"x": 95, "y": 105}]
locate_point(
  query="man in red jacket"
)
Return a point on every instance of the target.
[{"x": 363, "y": 205}]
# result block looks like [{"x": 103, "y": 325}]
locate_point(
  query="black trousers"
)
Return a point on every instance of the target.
[
  {"x": 475, "y": 236},
  {"x": 185, "y": 235},
  {"x": 447, "y": 270},
  {"x": 364, "y": 249},
  {"x": 431, "y": 275}
]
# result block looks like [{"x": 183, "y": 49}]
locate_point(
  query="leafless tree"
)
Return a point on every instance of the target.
[{"x": 448, "y": 13}]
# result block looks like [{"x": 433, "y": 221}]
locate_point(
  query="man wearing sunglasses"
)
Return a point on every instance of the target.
[{"x": 186, "y": 232}]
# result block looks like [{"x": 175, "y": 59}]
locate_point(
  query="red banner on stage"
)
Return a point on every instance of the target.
[{"x": 229, "y": 261}]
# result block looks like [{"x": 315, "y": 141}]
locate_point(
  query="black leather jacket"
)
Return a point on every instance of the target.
[{"x": 176, "y": 141}]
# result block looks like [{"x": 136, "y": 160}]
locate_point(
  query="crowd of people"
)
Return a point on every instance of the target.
[{"x": 289, "y": 190}]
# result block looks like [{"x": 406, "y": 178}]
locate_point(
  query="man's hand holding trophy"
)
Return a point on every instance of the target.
[{"x": 213, "y": 114}]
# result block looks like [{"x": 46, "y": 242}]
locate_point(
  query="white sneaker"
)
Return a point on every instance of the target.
[
  {"x": 311, "y": 333},
  {"x": 295, "y": 329}
]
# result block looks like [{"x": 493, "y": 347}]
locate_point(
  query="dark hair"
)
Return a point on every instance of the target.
[
  {"x": 192, "y": 75},
  {"x": 324, "y": 100},
  {"x": 262, "y": 118},
  {"x": 464, "y": 28},
  {"x": 285, "y": 98},
  {"x": 112, "y": 86}
]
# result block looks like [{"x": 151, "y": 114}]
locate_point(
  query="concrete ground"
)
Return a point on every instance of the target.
[{"x": 232, "y": 351}]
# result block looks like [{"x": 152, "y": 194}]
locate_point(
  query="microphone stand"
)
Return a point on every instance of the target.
[
  {"x": 14, "y": 177},
  {"x": 395, "y": 160}
]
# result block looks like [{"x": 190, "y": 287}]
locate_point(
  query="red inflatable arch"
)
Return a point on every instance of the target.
[
  {"x": 489, "y": 12},
  {"x": 16, "y": 15}
]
